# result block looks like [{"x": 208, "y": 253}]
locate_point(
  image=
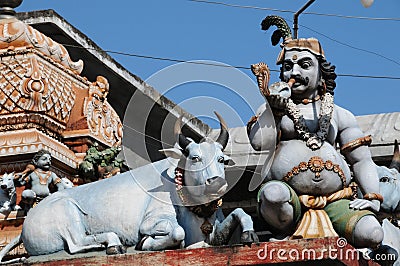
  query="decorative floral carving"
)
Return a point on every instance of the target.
[
  {"x": 35, "y": 88},
  {"x": 316, "y": 164}
]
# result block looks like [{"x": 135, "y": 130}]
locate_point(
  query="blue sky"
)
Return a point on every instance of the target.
[{"x": 189, "y": 30}]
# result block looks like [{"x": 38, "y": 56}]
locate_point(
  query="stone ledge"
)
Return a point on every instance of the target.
[{"x": 225, "y": 255}]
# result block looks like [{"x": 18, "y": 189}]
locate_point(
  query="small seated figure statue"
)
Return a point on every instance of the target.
[
  {"x": 37, "y": 178},
  {"x": 307, "y": 193}
]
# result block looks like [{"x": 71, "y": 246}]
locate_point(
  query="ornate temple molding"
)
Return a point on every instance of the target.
[
  {"x": 95, "y": 118},
  {"x": 15, "y": 33},
  {"x": 30, "y": 141},
  {"x": 45, "y": 103},
  {"x": 34, "y": 92},
  {"x": 37, "y": 92}
]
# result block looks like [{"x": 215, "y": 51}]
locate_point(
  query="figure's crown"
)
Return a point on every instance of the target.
[{"x": 311, "y": 44}]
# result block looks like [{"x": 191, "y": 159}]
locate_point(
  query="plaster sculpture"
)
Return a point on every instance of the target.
[
  {"x": 307, "y": 192},
  {"x": 176, "y": 204}
]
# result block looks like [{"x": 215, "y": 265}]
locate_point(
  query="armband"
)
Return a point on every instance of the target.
[
  {"x": 373, "y": 196},
  {"x": 57, "y": 180},
  {"x": 356, "y": 143}
]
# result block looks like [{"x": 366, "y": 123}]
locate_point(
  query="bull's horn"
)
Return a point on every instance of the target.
[
  {"x": 396, "y": 157},
  {"x": 224, "y": 134},
  {"x": 182, "y": 140}
]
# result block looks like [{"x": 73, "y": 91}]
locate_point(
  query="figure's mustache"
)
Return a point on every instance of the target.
[{"x": 300, "y": 79}]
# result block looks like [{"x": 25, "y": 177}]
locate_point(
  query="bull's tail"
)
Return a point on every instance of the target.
[
  {"x": 10, "y": 246},
  {"x": 78, "y": 206}
]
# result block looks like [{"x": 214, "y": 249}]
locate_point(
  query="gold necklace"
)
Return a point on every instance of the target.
[{"x": 43, "y": 180}]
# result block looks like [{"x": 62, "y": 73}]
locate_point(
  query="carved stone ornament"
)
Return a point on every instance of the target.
[
  {"x": 262, "y": 72},
  {"x": 316, "y": 164},
  {"x": 40, "y": 87},
  {"x": 30, "y": 141},
  {"x": 34, "y": 93},
  {"x": 102, "y": 119},
  {"x": 15, "y": 33}
]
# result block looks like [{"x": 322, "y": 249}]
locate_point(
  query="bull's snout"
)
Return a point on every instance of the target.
[
  {"x": 3, "y": 186},
  {"x": 215, "y": 184}
]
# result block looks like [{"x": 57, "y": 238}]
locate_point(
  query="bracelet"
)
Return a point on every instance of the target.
[
  {"x": 278, "y": 112},
  {"x": 373, "y": 196},
  {"x": 357, "y": 143},
  {"x": 250, "y": 124}
]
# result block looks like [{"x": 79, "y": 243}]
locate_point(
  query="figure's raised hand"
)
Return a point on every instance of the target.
[
  {"x": 362, "y": 204},
  {"x": 277, "y": 103}
]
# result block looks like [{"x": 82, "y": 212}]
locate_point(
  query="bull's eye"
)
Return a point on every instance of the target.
[
  {"x": 196, "y": 158},
  {"x": 384, "y": 179},
  {"x": 221, "y": 159}
]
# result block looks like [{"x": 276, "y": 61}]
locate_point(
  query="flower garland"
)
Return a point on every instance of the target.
[{"x": 313, "y": 140}]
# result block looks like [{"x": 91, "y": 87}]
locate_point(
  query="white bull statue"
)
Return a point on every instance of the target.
[
  {"x": 146, "y": 207},
  {"x": 389, "y": 183},
  {"x": 390, "y": 190},
  {"x": 8, "y": 195}
]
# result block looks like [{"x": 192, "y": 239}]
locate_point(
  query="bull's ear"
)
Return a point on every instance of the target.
[
  {"x": 228, "y": 161},
  {"x": 172, "y": 152}
]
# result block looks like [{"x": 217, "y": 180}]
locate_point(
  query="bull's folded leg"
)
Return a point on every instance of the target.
[
  {"x": 225, "y": 229},
  {"x": 88, "y": 242},
  {"x": 113, "y": 250},
  {"x": 164, "y": 234}
]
